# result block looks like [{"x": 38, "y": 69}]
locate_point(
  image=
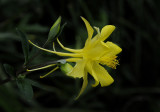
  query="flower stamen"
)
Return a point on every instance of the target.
[{"x": 110, "y": 61}]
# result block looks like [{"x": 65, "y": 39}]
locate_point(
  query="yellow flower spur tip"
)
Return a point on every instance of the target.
[
  {"x": 49, "y": 72},
  {"x": 30, "y": 42},
  {"x": 30, "y": 70}
]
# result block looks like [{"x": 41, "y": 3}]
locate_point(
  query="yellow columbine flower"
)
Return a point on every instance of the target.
[{"x": 94, "y": 53}]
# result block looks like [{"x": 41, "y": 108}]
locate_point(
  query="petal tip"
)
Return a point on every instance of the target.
[
  {"x": 106, "y": 31},
  {"x": 107, "y": 83},
  {"x": 82, "y": 17}
]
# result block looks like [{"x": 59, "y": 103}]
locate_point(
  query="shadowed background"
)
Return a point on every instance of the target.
[{"x": 137, "y": 81}]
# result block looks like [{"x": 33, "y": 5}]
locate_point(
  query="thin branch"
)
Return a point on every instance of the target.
[
  {"x": 25, "y": 72},
  {"x": 5, "y": 81}
]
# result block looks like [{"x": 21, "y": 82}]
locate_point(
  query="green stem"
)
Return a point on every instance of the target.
[{"x": 25, "y": 72}]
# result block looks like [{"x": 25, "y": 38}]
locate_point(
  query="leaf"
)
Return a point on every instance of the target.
[
  {"x": 34, "y": 83},
  {"x": 25, "y": 88},
  {"x": 9, "y": 102},
  {"x": 35, "y": 28},
  {"x": 44, "y": 87},
  {"x": 25, "y": 45},
  {"x": 9, "y": 70},
  {"x": 54, "y": 30},
  {"x": 5, "y": 36}
]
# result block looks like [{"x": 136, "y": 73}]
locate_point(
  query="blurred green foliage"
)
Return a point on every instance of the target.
[{"x": 136, "y": 87}]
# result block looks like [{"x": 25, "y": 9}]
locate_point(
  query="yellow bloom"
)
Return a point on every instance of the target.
[{"x": 94, "y": 53}]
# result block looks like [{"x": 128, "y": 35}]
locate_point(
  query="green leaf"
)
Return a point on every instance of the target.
[
  {"x": 25, "y": 88},
  {"x": 5, "y": 36},
  {"x": 35, "y": 28},
  {"x": 44, "y": 87},
  {"x": 34, "y": 83},
  {"x": 9, "y": 70},
  {"x": 25, "y": 45},
  {"x": 9, "y": 102},
  {"x": 54, "y": 30}
]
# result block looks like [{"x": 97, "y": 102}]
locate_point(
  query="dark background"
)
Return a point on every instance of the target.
[{"x": 137, "y": 81}]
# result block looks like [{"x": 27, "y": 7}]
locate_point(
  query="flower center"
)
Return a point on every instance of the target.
[{"x": 110, "y": 61}]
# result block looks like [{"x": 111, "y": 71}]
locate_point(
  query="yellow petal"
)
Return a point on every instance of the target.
[
  {"x": 89, "y": 69},
  {"x": 78, "y": 70},
  {"x": 106, "y": 31},
  {"x": 89, "y": 30},
  {"x": 103, "y": 76},
  {"x": 84, "y": 85},
  {"x": 58, "y": 53},
  {"x": 96, "y": 51},
  {"x": 68, "y": 49},
  {"x": 95, "y": 40},
  {"x": 113, "y": 49}
]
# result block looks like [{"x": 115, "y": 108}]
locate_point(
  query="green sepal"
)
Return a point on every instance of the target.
[
  {"x": 66, "y": 68},
  {"x": 25, "y": 44}
]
